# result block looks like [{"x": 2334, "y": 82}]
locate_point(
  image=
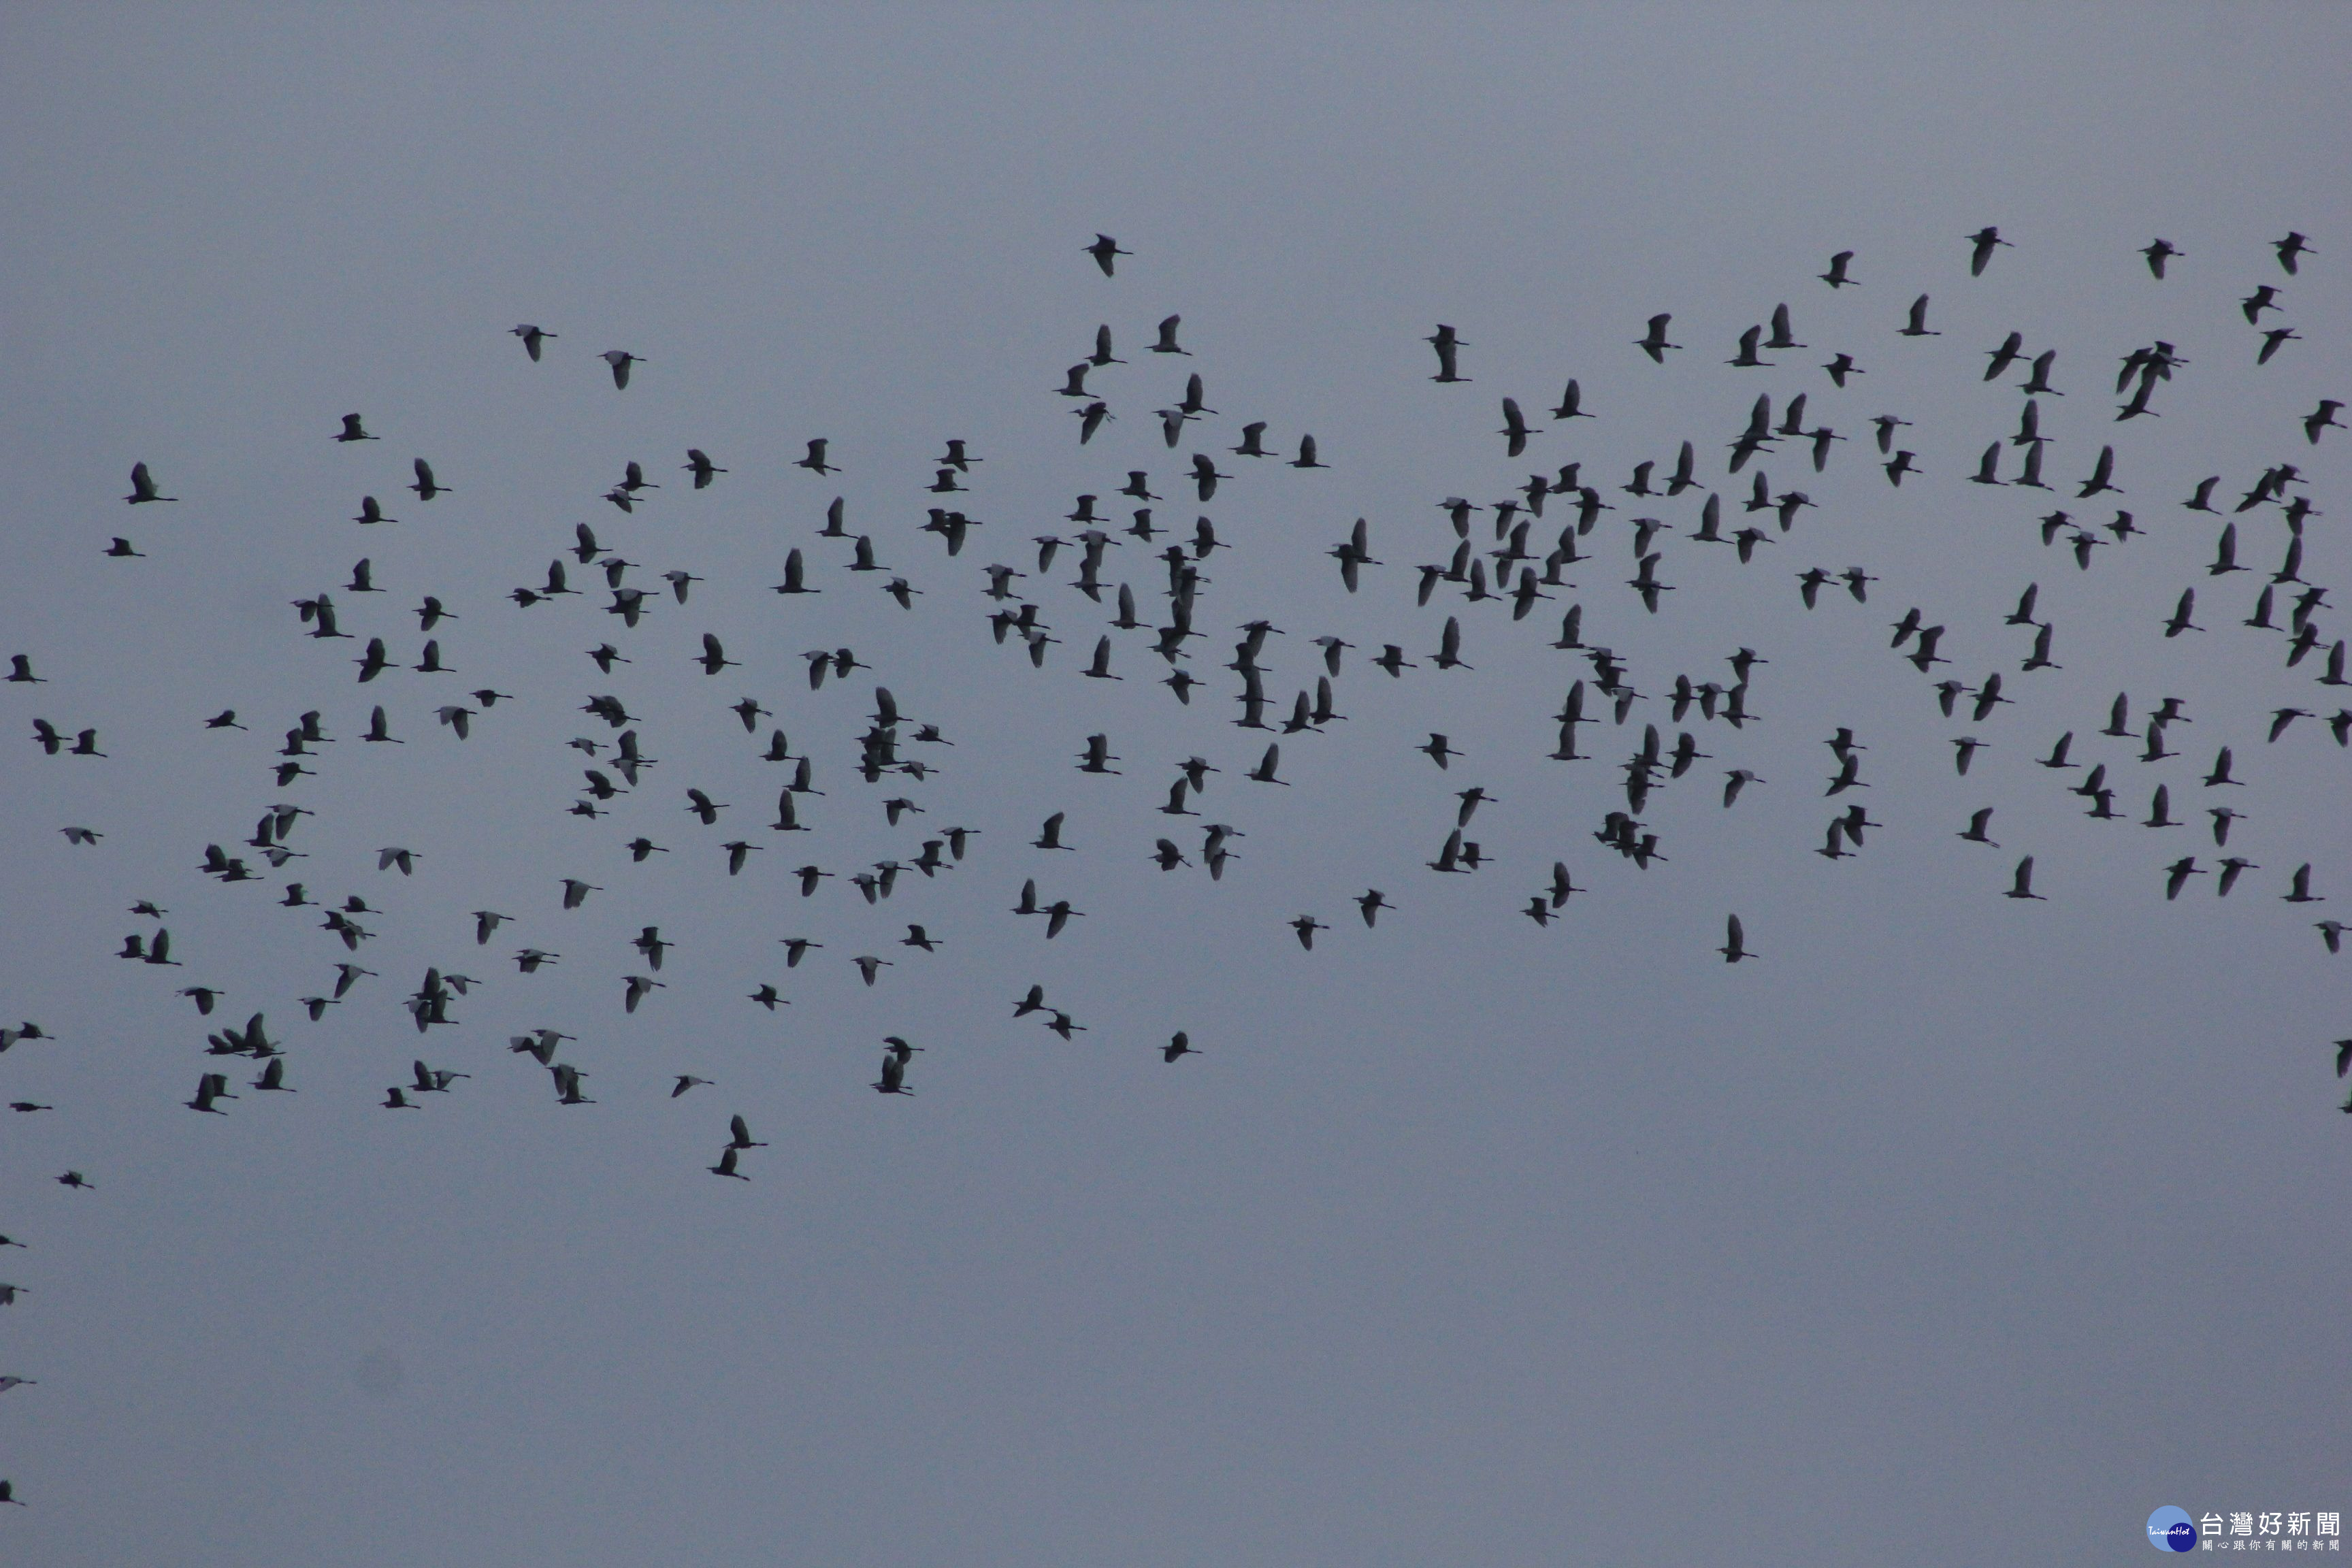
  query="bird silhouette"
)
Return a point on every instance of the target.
[{"x": 1103, "y": 250}]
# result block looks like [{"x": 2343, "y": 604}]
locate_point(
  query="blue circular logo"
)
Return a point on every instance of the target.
[{"x": 2171, "y": 1530}]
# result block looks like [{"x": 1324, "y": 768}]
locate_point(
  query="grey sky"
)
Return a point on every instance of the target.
[{"x": 1951, "y": 1227}]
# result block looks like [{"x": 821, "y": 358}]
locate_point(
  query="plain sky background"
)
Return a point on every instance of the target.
[{"x": 1952, "y": 1230}]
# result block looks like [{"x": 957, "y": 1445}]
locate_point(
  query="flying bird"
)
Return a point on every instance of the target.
[
  {"x": 1103, "y": 250},
  {"x": 142, "y": 488},
  {"x": 1653, "y": 342},
  {"x": 1448, "y": 345},
  {"x": 2022, "y": 887},
  {"x": 1981, "y": 246},
  {"x": 1735, "y": 941}
]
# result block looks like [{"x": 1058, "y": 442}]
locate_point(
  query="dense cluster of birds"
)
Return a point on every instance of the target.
[{"x": 1539, "y": 534}]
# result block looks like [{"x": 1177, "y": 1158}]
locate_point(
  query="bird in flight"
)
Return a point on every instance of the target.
[
  {"x": 1103, "y": 250},
  {"x": 142, "y": 488},
  {"x": 1653, "y": 342},
  {"x": 1449, "y": 347},
  {"x": 1981, "y": 246},
  {"x": 620, "y": 360}
]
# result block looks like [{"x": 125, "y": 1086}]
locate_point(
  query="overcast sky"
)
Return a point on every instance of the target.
[{"x": 1951, "y": 1224}]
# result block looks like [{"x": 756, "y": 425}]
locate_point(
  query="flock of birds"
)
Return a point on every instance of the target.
[{"x": 1534, "y": 537}]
